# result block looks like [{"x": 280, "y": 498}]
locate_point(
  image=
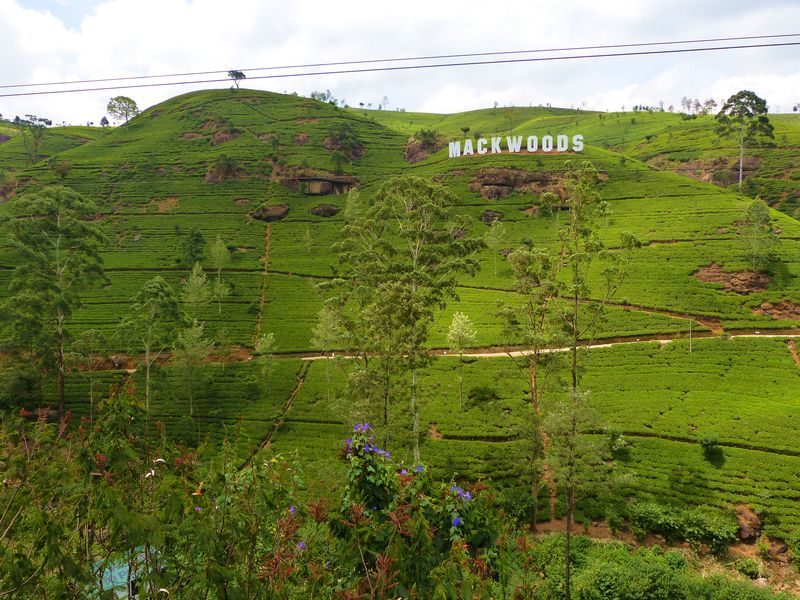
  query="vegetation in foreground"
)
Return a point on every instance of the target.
[{"x": 91, "y": 511}]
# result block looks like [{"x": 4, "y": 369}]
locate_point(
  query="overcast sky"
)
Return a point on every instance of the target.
[{"x": 57, "y": 40}]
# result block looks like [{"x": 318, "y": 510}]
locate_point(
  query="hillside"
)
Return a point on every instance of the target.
[{"x": 219, "y": 161}]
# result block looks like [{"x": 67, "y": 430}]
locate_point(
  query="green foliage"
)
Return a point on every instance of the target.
[
  {"x": 430, "y": 139},
  {"x": 122, "y": 108},
  {"x": 694, "y": 525},
  {"x": 151, "y": 324},
  {"x": 194, "y": 247},
  {"x": 757, "y": 234},
  {"x": 196, "y": 292},
  {"x": 744, "y": 117},
  {"x": 236, "y": 76},
  {"x": 223, "y": 167},
  {"x": 749, "y": 567},
  {"x": 57, "y": 249}
]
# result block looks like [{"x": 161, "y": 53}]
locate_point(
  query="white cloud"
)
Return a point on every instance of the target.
[{"x": 148, "y": 37}]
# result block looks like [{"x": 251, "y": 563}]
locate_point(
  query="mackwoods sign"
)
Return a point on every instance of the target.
[{"x": 494, "y": 145}]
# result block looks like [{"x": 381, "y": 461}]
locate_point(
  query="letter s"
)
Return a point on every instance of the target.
[{"x": 577, "y": 143}]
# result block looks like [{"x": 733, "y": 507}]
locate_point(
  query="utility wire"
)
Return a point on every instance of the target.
[
  {"x": 411, "y": 58},
  {"x": 413, "y": 67}
]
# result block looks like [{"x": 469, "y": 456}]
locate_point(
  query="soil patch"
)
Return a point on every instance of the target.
[
  {"x": 241, "y": 202},
  {"x": 352, "y": 151},
  {"x": 741, "y": 282},
  {"x": 417, "y": 150},
  {"x": 493, "y": 183},
  {"x": 793, "y": 350},
  {"x": 490, "y": 216},
  {"x": 168, "y": 204},
  {"x": 220, "y": 137},
  {"x": 325, "y": 210},
  {"x": 300, "y": 139},
  {"x": 191, "y": 135},
  {"x": 531, "y": 211},
  {"x": 434, "y": 433},
  {"x": 273, "y": 212},
  {"x": 783, "y": 310}
]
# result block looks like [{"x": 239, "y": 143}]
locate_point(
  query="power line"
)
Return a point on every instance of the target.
[
  {"x": 407, "y": 59},
  {"x": 414, "y": 67}
]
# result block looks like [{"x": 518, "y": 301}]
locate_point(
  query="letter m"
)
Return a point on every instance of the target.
[
  {"x": 514, "y": 143},
  {"x": 455, "y": 149}
]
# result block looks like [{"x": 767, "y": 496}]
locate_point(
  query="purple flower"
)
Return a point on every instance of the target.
[
  {"x": 418, "y": 468},
  {"x": 197, "y": 509},
  {"x": 403, "y": 472},
  {"x": 292, "y": 509},
  {"x": 301, "y": 546},
  {"x": 468, "y": 496},
  {"x": 348, "y": 442},
  {"x": 456, "y": 521},
  {"x": 386, "y": 454}
]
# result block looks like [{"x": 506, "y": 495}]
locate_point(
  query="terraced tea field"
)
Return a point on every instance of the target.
[{"x": 219, "y": 161}]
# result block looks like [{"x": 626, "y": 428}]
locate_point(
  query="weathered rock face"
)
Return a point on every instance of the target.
[
  {"x": 749, "y": 524},
  {"x": 273, "y": 212},
  {"x": 417, "y": 150},
  {"x": 778, "y": 550},
  {"x": 741, "y": 282},
  {"x": 783, "y": 310},
  {"x": 324, "y": 210},
  {"x": 722, "y": 171},
  {"x": 318, "y": 183},
  {"x": 493, "y": 183},
  {"x": 489, "y": 216}
]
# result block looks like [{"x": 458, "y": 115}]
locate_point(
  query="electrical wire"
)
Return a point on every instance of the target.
[
  {"x": 413, "y": 67},
  {"x": 407, "y": 59}
]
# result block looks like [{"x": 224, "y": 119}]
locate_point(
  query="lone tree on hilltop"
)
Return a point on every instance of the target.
[
  {"x": 122, "y": 108},
  {"x": 237, "y": 76},
  {"x": 744, "y": 117}
]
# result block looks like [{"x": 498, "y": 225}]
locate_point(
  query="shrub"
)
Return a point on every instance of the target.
[
  {"x": 696, "y": 526},
  {"x": 224, "y": 167},
  {"x": 749, "y": 567}
]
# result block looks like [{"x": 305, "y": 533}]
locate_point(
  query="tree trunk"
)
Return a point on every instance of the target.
[
  {"x": 60, "y": 359},
  {"x": 741, "y": 159},
  {"x": 535, "y": 494},
  {"x": 567, "y": 557},
  {"x": 415, "y": 413},
  {"x": 147, "y": 393},
  {"x": 460, "y": 381},
  {"x": 386, "y": 392}
]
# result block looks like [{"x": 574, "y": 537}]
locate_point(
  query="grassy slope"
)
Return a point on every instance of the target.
[
  {"x": 14, "y": 157},
  {"x": 149, "y": 180}
]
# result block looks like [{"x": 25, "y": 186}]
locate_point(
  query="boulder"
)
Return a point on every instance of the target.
[{"x": 749, "y": 524}]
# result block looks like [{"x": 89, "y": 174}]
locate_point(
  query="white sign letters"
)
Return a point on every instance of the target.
[{"x": 514, "y": 144}]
